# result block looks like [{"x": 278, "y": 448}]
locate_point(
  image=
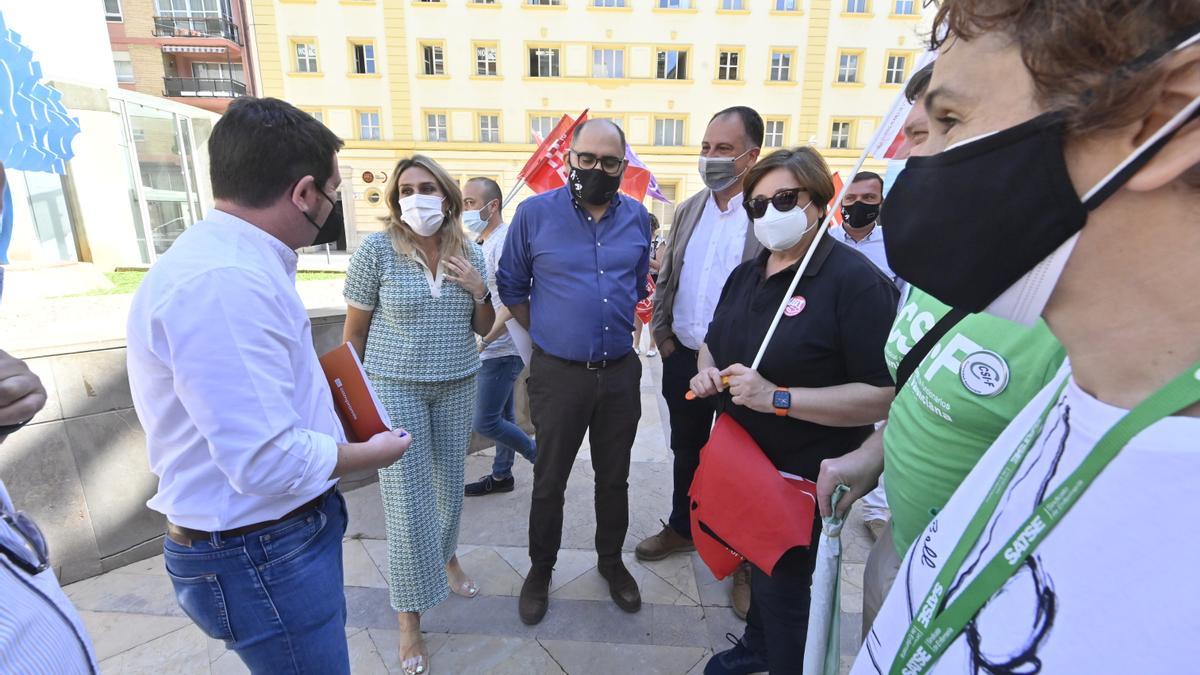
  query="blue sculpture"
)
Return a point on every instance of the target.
[{"x": 35, "y": 130}]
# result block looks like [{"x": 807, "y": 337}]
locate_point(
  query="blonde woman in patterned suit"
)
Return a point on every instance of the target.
[{"x": 416, "y": 293}]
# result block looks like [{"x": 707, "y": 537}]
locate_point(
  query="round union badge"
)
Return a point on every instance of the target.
[
  {"x": 984, "y": 373},
  {"x": 795, "y": 305}
]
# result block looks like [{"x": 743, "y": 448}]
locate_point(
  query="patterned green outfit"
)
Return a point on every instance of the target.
[{"x": 421, "y": 356}]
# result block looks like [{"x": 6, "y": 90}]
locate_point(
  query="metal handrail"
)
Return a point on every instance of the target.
[
  {"x": 198, "y": 26},
  {"x": 212, "y": 87}
]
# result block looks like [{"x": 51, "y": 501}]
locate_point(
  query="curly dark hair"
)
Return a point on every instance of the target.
[{"x": 1088, "y": 58}]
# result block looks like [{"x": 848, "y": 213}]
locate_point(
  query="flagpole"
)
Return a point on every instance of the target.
[
  {"x": 823, "y": 232},
  {"x": 512, "y": 193}
]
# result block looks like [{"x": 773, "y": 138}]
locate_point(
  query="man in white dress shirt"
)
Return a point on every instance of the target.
[
  {"x": 861, "y": 229},
  {"x": 239, "y": 419},
  {"x": 711, "y": 235}
]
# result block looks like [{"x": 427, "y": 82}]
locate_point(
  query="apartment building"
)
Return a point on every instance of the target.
[
  {"x": 470, "y": 82},
  {"x": 189, "y": 51}
]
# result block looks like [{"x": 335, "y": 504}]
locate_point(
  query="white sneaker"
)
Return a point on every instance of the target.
[{"x": 652, "y": 353}]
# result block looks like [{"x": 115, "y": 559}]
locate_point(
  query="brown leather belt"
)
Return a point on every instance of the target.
[{"x": 186, "y": 536}]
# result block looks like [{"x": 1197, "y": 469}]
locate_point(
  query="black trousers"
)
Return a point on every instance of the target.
[
  {"x": 567, "y": 400},
  {"x": 777, "y": 623},
  {"x": 691, "y": 423}
]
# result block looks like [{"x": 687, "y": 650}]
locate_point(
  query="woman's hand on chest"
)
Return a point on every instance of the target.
[{"x": 463, "y": 273}]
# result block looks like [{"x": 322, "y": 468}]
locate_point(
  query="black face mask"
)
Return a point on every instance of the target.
[
  {"x": 334, "y": 227},
  {"x": 859, "y": 215},
  {"x": 997, "y": 216},
  {"x": 593, "y": 186}
]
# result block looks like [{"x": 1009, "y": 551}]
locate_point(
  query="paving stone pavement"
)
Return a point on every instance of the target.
[{"x": 137, "y": 627}]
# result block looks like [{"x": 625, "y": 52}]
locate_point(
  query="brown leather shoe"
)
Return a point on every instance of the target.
[
  {"x": 739, "y": 595},
  {"x": 622, "y": 586},
  {"x": 663, "y": 544},
  {"x": 535, "y": 596}
]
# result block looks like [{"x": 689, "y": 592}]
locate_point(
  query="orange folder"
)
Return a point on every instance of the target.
[{"x": 362, "y": 414}]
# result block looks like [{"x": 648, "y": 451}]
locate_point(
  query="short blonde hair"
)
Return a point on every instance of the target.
[{"x": 454, "y": 240}]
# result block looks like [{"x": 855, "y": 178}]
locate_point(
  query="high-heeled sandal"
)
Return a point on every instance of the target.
[
  {"x": 419, "y": 664},
  {"x": 466, "y": 589},
  {"x": 415, "y": 665}
]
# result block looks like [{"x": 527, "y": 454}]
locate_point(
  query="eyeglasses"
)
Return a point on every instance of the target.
[
  {"x": 784, "y": 200},
  {"x": 609, "y": 164},
  {"x": 22, "y": 542}
]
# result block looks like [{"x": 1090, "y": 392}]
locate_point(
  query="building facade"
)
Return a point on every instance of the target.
[
  {"x": 469, "y": 82},
  {"x": 189, "y": 51}
]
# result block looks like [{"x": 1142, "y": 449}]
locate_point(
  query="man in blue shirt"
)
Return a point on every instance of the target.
[{"x": 574, "y": 266}]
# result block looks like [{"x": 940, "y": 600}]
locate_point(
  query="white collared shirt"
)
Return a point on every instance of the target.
[
  {"x": 872, "y": 247},
  {"x": 713, "y": 251},
  {"x": 239, "y": 420}
]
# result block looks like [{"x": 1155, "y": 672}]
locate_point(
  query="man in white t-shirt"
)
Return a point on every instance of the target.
[
  {"x": 495, "y": 405},
  {"x": 1061, "y": 552}
]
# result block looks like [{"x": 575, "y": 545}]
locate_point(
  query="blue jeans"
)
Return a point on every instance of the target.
[
  {"x": 495, "y": 414},
  {"x": 275, "y": 596}
]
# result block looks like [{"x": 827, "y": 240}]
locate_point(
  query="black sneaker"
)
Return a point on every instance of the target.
[
  {"x": 488, "y": 484},
  {"x": 737, "y": 661}
]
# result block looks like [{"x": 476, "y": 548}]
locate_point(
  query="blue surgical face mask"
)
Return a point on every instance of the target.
[{"x": 475, "y": 221}]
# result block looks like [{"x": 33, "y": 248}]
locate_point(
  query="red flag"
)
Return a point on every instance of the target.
[
  {"x": 635, "y": 182},
  {"x": 539, "y": 155},
  {"x": 546, "y": 169},
  {"x": 833, "y": 205},
  {"x": 894, "y": 150}
]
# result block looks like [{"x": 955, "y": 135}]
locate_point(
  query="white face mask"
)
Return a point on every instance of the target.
[
  {"x": 780, "y": 231},
  {"x": 423, "y": 213},
  {"x": 1024, "y": 301}
]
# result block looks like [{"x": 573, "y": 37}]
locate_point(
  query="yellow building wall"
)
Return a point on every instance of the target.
[{"x": 402, "y": 95}]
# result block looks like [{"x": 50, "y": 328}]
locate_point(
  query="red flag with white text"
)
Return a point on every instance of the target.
[{"x": 547, "y": 168}]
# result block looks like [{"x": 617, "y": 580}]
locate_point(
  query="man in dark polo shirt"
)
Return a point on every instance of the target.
[{"x": 574, "y": 267}]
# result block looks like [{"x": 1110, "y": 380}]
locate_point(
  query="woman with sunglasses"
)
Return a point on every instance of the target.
[{"x": 822, "y": 383}]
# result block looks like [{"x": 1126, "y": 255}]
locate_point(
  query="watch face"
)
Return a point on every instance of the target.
[{"x": 782, "y": 399}]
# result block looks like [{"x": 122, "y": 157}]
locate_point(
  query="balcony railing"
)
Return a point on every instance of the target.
[
  {"x": 206, "y": 87},
  {"x": 197, "y": 26}
]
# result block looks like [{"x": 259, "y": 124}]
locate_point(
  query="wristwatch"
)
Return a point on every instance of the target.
[
  {"x": 487, "y": 297},
  {"x": 782, "y": 401}
]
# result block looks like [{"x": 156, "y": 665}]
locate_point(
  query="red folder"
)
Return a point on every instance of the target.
[
  {"x": 743, "y": 508},
  {"x": 362, "y": 414}
]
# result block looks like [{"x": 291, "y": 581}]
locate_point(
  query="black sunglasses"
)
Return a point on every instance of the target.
[
  {"x": 22, "y": 542},
  {"x": 784, "y": 200},
  {"x": 608, "y": 164}
]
